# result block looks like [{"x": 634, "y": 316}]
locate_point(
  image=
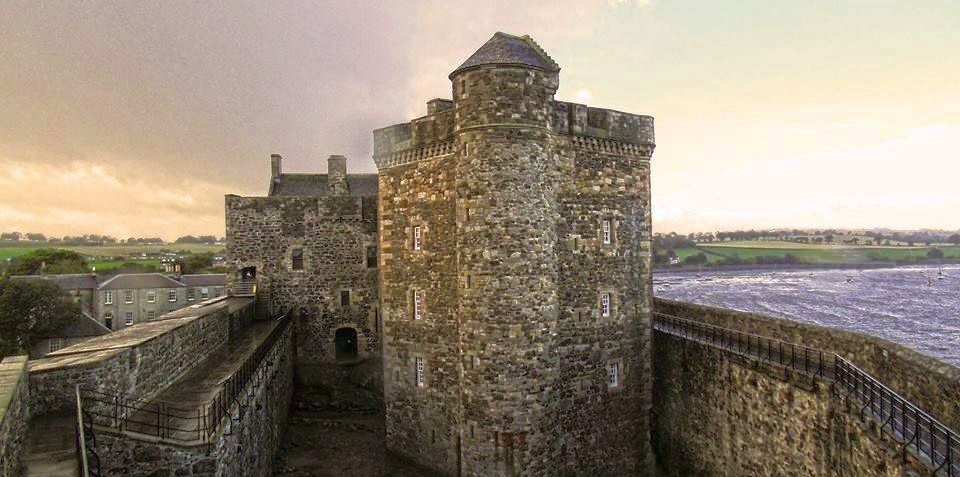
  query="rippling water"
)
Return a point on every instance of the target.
[{"x": 908, "y": 305}]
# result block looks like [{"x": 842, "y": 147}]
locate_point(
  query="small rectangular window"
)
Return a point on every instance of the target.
[
  {"x": 172, "y": 296},
  {"x": 108, "y": 298},
  {"x": 151, "y": 296},
  {"x": 468, "y": 282},
  {"x": 128, "y": 318},
  {"x": 128, "y": 296},
  {"x": 55, "y": 344},
  {"x": 151, "y": 315},
  {"x": 607, "y": 234},
  {"x": 417, "y": 235},
  {"x": 204, "y": 293},
  {"x": 191, "y": 294},
  {"x": 418, "y": 363},
  {"x": 605, "y": 305},
  {"x": 371, "y": 257},
  {"x": 344, "y": 297},
  {"x": 613, "y": 374},
  {"x": 417, "y": 304},
  {"x": 296, "y": 258}
]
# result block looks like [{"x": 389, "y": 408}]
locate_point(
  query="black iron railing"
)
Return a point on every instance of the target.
[
  {"x": 920, "y": 433},
  {"x": 178, "y": 424}
]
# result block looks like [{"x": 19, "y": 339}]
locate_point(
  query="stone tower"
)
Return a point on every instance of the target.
[{"x": 515, "y": 276}]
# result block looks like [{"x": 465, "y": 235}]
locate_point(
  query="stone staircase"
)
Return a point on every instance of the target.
[{"x": 50, "y": 449}]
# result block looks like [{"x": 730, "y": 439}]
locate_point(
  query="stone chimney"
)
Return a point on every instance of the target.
[
  {"x": 437, "y": 104},
  {"x": 275, "y": 166},
  {"x": 337, "y": 175}
]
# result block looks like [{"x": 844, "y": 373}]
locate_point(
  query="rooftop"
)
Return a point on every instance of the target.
[
  {"x": 506, "y": 49},
  {"x": 133, "y": 281},
  {"x": 204, "y": 280},
  {"x": 315, "y": 185},
  {"x": 68, "y": 281}
]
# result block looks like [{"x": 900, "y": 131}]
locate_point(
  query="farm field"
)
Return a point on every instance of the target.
[
  {"x": 815, "y": 254},
  {"x": 103, "y": 265},
  {"x": 113, "y": 250}
]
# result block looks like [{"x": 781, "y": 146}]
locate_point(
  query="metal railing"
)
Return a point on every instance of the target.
[
  {"x": 88, "y": 462},
  {"x": 245, "y": 288},
  {"x": 178, "y": 424},
  {"x": 918, "y": 432}
]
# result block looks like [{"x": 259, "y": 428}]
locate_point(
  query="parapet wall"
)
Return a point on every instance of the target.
[
  {"x": 717, "y": 415},
  {"x": 137, "y": 362},
  {"x": 14, "y": 414},
  {"x": 932, "y": 385}
]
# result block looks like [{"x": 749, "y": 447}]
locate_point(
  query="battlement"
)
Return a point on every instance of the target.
[{"x": 581, "y": 120}]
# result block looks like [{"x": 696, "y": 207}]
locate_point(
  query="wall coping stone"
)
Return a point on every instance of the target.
[{"x": 11, "y": 373}]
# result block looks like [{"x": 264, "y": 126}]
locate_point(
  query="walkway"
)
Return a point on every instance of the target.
[{"x": 50, "y": 449}]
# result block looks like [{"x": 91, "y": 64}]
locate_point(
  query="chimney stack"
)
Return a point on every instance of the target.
[
  {"x": 275, "y": 167},
  {"x": 337, "y": 175}
]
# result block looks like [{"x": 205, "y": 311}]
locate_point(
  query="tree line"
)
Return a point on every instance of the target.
[{"x": 98, "y": 240}]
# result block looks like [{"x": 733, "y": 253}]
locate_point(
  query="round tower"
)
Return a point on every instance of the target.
[{"x": 506, "y": 232}]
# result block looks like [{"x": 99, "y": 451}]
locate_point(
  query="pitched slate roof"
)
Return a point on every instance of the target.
[
  {"x": 81, "y": 326},
  {"x": 315, "y": 185},
  {"x": 134, "y": 281},
  {"x": 71, "y": 281},
  {"x": 506, "y": 49},
  {"x": 204, "y": 280}
]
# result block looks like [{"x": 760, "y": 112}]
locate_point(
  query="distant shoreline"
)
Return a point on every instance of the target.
[{"x": 802, "y": 266}]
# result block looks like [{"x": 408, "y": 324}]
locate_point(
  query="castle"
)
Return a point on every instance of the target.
[{"x": 512, "y": 287}]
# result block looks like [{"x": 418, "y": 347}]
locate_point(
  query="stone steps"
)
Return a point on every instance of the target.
[{"x": 50, "y": 449}]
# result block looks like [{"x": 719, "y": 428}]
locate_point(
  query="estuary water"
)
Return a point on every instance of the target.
[{"x": 908, "y": 305}]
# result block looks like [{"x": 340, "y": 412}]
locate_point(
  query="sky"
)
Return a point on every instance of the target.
[{"x": 135, "y": 118}]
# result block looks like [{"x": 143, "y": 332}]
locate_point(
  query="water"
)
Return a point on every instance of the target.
[{"x": 899, "y": 304}]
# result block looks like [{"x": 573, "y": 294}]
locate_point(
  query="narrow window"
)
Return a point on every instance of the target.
[
  {"x": 108, "y": 298},
  {"x": 172, "y": 296},
  {"x": 344, "y": 298},
  {"x": 204, "y": 293},
  {"x": 376, "y": 319},
  {"x": 433, "y": 436},
  {"x": 469, "y": 282},
  {"x": 151, "y": 315},
  {"x": 191, "y": 294},
  {"x": 417, "y": 304},
  {"x": 128, "y": 296},
  {"x": 296, "y": 258},
  {"x": 151, "y": 296},
  {"x": 418, "y": 362},
  {"x": 416, "y": 238},
  {"x": 473, "y": 432},
  {"x": 128, "y": 318},
  {"x": 613, "y": 374},
  {"x": 371, "y": 257},
  {"x": 466, "y": 213},
  {"x": 607, "y": 234},
  {"x": 605, "y": 305},
  {"x": 55, "y": 344}
]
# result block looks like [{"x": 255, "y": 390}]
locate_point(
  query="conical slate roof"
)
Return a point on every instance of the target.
[{"x": 505, "y": 49}]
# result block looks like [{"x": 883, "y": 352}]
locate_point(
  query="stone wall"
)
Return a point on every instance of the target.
[
  {"x": 14, "y": 414},
  {"x": 137, "y": 362},
  {"x": 932, "y": 385},
  {"x": 716, "y": 415},
  {"x": 334, "y": 234},
  {"x": 243, "y": 446}
]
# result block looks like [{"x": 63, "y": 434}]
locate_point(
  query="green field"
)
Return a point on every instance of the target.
[
  {"x": 114, "y": 250},
  {"x": 103, "y": 265},
  {"x": 815, "y": 254}
]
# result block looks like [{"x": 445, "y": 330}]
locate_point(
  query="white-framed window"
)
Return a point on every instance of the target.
[
  {"x": 418, "y": 369},
  {"x": 55, "y": 344},
  {"x": 108, "y": 298},
  {"x": 151, "y": 296},
  {"x": 607, "y": 233},
  {"x": 417, "y": 304},
  {"x": 417, "y": 236},
  {"x": 613, "y": 374},
  {"x": 204, "y": 293},
  {"x": 605, "y": 305},
  {"x": 151, "y": 315},
  {"x": 128, "y": 296},
  {"x": 191, "y": 294},
  {"x": 172, "y": 296},
  {"x": 128, "y": 318}
]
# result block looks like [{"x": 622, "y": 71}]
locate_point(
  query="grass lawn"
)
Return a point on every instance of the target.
[
  {"x": 11, "y": 252},
  {"x": 117, "y": 250}
]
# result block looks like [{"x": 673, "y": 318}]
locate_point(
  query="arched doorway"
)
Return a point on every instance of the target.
[{"x": 345, "y": 342}]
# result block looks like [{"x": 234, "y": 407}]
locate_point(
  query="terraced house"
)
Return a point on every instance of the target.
[{"x": 128, "y": 299}]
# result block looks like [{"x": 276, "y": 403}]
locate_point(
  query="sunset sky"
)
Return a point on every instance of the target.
[{"x": 134, "y": 118}]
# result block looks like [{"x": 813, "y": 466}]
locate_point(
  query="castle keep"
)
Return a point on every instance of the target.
[{"x": 514, "y": 277}]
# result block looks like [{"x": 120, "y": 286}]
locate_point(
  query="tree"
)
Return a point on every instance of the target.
[
  {"x": 954, "y": 239},
  {"x": 12, "y": 236},
  {"x": 935, "y": 253},
  {"x": 29, "y": 308},
  {"x": 828, "y": 238},
  {"x": 36, "y": 237},
  {"x": 48, "y": 260},
  {"x": 197, "y": 262}
]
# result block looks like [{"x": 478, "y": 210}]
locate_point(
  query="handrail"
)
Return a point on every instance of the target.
[
  {"x": 934, "y": 443},
  {"x": 178, "y": 424},
  {"x": 84, "y": 466}
]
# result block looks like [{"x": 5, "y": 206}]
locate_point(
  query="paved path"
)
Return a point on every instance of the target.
[{"x": 51, "y": 451}]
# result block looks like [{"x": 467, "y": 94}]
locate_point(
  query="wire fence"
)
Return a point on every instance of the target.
[
  {"x": 185, "y": 425},
  {"x": 917, "y": 431}
]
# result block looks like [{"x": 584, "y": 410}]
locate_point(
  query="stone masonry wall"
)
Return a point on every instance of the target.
[
  {"x": 932, "y": 385},
  {"x": 716, "y": 415},
  {"x": 244, "y": 445},
  {"x": 334, "y": 234},
  {"x": 14, "y": 414}
]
